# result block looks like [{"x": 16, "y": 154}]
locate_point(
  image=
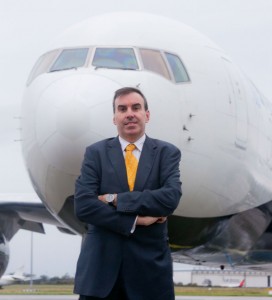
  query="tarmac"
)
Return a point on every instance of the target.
[
  {"x": 216, "y": 297},
  {"x": 75, "y": 297},
  {"x": 38, "y": 297}
]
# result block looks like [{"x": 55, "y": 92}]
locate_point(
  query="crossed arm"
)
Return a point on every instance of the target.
[
  {"x": 141, "y": 220},
  {"x": 148, "y": 206},
  {"x": 155, "y": 205}
]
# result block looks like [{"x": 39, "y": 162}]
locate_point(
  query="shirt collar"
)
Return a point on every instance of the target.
[{"x": 139, "y": 143}]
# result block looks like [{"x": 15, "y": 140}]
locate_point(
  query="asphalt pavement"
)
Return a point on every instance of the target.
[{"x": 75, "y": 297}]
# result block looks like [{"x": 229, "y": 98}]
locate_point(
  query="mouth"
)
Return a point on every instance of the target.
[{"x": 130, "y": 123}]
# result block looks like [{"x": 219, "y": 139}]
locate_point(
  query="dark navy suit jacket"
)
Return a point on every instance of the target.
[{"x": 143, "y": 257}]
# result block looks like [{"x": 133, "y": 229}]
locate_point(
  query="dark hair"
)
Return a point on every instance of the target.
[{"x": 128, "y": 90}]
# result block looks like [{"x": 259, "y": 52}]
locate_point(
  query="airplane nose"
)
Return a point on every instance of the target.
[{"x": 70, "y": 114}]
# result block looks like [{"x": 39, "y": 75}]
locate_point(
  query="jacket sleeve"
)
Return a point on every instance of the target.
[
  {"x": 165, "y": 197},
  {"x": 88, "y": 208}
]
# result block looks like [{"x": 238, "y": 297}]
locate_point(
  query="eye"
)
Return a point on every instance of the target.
[
  {"x": 136, "y": 107},
  {"x": 122, "y": 108}
]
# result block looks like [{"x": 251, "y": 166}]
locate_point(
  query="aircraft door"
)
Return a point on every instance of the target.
[{"x": 237, "y": 95}]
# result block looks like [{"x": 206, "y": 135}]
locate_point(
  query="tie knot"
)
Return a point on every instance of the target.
[{"x": 130, "y": 147}]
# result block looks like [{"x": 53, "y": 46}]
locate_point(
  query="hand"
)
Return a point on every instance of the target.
[
  {"x": 161, "y": 220},
  {"x": 102, "y": 198},
  {"x": 146, "y": 221}
]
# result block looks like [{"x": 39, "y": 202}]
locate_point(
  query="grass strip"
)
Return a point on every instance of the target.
[{"x": 25, "y": 289}]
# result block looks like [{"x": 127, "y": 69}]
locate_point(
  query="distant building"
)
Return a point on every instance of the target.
[{"x": 224, "y": 278}]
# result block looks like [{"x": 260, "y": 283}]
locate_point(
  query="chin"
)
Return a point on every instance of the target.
[{"x": 132, "y": 137}]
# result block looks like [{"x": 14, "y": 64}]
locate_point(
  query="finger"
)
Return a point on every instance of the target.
[
  {"x": 161, "y": 219},
  {"x": 102, "y": 198}
]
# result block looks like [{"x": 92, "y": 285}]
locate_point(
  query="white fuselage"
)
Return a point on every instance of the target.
[
  {"x": 14, "y": 278},
  {"x": 218, "y": 119}
]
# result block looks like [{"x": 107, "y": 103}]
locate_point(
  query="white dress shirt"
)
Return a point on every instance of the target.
[{"x": 139, "y": 146}]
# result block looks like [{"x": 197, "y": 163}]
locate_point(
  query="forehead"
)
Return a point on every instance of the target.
[{"x": 129, "y": 99}]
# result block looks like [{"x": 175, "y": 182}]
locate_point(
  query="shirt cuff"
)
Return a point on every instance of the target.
[{"x": 134, "y": 225}]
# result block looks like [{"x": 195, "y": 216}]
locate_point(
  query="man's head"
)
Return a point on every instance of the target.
[
  {"x": 128, "y": 90},
  {"x": 131, "y": 113}
]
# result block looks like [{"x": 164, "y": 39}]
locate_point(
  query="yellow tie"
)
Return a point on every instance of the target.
[{"x": 131, "y": 165}]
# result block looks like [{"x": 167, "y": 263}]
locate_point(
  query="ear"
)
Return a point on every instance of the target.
[
  {"x": 114, "y": 122},
  {"x": 147, "y": 116}
]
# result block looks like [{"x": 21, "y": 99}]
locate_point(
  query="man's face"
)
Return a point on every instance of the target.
[{"x": 130, "y": 116}]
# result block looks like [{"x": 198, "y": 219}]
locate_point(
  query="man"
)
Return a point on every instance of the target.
[{"x": 125, "y": 253}]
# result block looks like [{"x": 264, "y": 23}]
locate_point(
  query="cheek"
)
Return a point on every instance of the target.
[{"x": 116, "y": 120}]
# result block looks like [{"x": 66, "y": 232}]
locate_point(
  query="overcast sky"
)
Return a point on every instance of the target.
[{"x": 243, "y": 28}]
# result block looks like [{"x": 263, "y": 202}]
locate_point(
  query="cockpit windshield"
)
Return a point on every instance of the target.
[
  {"x": 157, "y": 61},
  {"x": 70, "y": 59},
  {"x": 115, "y": 58}
]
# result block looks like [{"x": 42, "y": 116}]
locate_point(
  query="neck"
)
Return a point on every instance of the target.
[{"x": 131, "y": 140}]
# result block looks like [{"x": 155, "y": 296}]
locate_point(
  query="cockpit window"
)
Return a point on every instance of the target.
[
  {"x": 42, "y": 65},
  {"x": 115, "y": 58},
  {"x": 70, "y": 59},
  {"x": 153, "y": 61},
  {"x": 177, "y": 68}
]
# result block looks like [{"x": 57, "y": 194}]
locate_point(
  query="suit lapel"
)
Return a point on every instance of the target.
[
  {"x": 117, "y": 160},
  {"x": 145, "y": 164}
]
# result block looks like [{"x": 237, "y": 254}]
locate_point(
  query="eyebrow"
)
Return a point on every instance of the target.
[
  {"x": 133, "y": 105},
  {"x": 137, "y": 104},
  {"x": 121, "y": 106}
]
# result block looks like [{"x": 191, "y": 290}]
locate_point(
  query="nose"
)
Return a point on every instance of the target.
[
  {"x": 130, "y": 114},
  {"x": 71, "y": 113}
]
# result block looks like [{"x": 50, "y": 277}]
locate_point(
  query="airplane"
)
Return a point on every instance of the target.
[
  {"x": 227, "y": 283},
  {"x": 22, "y": 215},
  {"x": 234, "y": 285},
  {"x": 199, "y": 100},
  {"x": 14, "y": 278}
]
